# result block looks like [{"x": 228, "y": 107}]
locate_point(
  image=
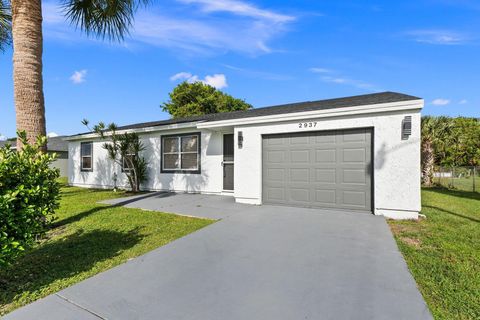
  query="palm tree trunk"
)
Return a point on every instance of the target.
[
  {"x": 428, "y": 162},
  {"x": 27, "y": 67}
]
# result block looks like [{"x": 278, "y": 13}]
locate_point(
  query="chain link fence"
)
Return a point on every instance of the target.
[{"x": 459, "y": 178}]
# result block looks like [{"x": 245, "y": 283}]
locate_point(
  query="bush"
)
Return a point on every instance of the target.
[{"x": 29, "y": 195}]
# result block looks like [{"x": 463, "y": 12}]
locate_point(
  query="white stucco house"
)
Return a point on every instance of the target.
[{"x": 357, "y": 153}]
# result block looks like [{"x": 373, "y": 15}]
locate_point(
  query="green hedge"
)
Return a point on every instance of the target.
[{"x": 29, "y": 195}]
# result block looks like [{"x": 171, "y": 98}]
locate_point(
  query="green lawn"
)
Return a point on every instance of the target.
[
  {"x": 461, "y": 184},
  {"x": 443, "y": 252},
  {"x": 87, "y": 238}
]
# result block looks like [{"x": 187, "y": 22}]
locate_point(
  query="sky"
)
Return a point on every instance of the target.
[{"x": 265, "y": 52}]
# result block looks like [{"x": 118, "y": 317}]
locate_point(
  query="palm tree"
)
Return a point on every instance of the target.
[
  {"x": 109, "y": 19},
  {"x": 435, "y": 132},
  {"x": 5, "y": 25}
]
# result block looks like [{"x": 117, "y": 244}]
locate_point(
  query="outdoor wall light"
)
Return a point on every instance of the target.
[
  {"x": 240, "y": 139},
  {"x": 406, "y": 127}
]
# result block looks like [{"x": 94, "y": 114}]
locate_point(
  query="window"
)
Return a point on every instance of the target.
[
  {"x": 181, "y": 153},
  {"x": 86, "y": 154},
  {"x": 126, "y": 165}
]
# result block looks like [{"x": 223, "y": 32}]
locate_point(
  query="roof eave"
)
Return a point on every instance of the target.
[
  {"x": 93, "y": 135},
  {"x": 334, "y": 112}
]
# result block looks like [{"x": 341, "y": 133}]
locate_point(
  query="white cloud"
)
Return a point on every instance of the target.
[
  {"x": 439, "y": 37},
  {"x": 319, "y": 70},
  {"x": 240, "y": 8},
  {"x": 52, "y": 134},
  {"x": 351, "y": 82},
  {"x": 181, "y": 76},
  {"x": 440, "y": 102},
  {"x": 216, "y": 28},
  {"x": 463, "y": 101},
  {"x": 331, "y": 76},
  {"x": 217, "y": 80},
  {"x": 3, "y": 138},
  {"x": 78, "y": 76}
]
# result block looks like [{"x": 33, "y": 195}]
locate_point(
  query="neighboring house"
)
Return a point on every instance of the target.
[
  {"x": 55, "y": 145},
  {"x": 357, "y": 153}
]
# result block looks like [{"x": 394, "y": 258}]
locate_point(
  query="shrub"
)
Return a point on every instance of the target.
[{"x": 29, "y": 195}]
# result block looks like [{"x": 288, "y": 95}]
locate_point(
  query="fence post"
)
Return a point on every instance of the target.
[
  {"x": 474, "y": 174},
  {"x": 453, "y": 177}
]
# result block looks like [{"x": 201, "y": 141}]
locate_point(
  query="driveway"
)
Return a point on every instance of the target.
[{"x": 257, "y": 262}]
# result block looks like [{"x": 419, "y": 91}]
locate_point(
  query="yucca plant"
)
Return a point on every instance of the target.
[{"x": 125, "y": 150}]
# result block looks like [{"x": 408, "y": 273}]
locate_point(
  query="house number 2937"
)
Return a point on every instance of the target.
[{"x": 307, "y": 125}]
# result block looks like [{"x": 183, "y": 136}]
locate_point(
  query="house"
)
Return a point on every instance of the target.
[
  {"x": 358, "y": 153},
  {"x": 54, "y": 145}
]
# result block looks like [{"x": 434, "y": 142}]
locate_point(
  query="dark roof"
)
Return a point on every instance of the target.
[
  {"x": 374, "y": 98},
  {"x": 53, "y": 144}
]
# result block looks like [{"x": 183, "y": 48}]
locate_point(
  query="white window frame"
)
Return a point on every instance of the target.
[
  {"x": 124, "y": 169},
  {"x": 83, "y": 156},
  {"x": 180, "y": 153}
]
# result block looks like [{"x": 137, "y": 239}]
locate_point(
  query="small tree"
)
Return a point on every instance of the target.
[
  {"x": 194, "y": 99},
  {"x": 435, "y": 132},
  {"x": 29, "y": 195},
  {"x": 124, "y": 149}
]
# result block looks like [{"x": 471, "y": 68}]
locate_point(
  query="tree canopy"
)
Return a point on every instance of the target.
[
  {"x": 193, "y": 99},
  {"x": 455, "y": 141}
]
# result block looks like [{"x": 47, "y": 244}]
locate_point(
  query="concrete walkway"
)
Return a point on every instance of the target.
[{"x": 257, "y": 262}]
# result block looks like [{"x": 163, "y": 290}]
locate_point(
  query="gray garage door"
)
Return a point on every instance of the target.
[{"x": 329, "y": 169}]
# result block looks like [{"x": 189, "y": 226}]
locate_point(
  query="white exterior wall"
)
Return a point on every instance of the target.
[
  {"x": 209, "y": 181},
  {"x": 396, "y": 173},
  {"x": 396, "y": 167}
]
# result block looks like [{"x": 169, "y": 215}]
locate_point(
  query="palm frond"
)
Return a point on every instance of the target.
[
  {"x": 110, "y": 19},
  {"x": 5, "y": 25}
]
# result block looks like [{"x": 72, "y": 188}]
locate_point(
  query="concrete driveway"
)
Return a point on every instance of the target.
[{"x": 257, "y": 262}]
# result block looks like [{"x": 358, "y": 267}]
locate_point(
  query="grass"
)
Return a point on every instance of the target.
[
  {"x": 462, "y": 184},
  {"x": 443, "y": 252},
  {"x": 87, "y": 238}
]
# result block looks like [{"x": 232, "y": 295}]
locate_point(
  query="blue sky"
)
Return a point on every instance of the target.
[{"x": 266, "y": 52}]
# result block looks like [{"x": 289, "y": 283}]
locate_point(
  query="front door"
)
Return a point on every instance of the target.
[{"x": 228, "y": 162}]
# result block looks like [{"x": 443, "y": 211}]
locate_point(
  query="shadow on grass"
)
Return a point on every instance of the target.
[
  {"x": 455, "y": 193},
  {"x": 64, "y": 258},
  {"x": 121, "y": 202},
  {"x": 78, "y": 216},
  {"x": 453, "y": 213}
]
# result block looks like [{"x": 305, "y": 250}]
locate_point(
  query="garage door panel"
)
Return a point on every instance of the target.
[
  {"x": 275, "y": 156},
  {"x": 318, "y": 169},
  {"x": 325, "y": 138},
  {"x": 275, "y": 194},
  {"x": 354, "y": 198},
  {"x": 355, "y": 136},
  {"x": 327, "y": 175},
  {"x": 276, "y": 174},
  {"x": 299, "y": 194},
  {"x": 325, "y": 196},
  {"x": 300, "y": 140},
  {"x": 354, "y": 155},
  {"x": 326, "y": 155},
  {"x": 302, "y": 156},
  {"x": 356, "y": 176},
  {"x": 300, "y": 175}
]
